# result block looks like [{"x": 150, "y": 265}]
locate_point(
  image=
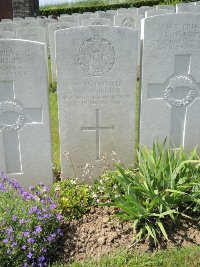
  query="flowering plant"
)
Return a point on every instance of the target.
[{"x": 29, "y": 225}]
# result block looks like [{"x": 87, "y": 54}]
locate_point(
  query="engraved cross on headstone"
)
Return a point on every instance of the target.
[
  {"x": 97, "y": 129},
  {"x": 13, "y": 117},
  {"x": 179, "y": 91}
]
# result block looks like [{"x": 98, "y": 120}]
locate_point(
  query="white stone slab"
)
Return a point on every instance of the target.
[
  {"x": 27, "y": 23},
  {"x": 68, "y": 18},
  {"x": 7, "y": 35},
  {"x": 29, "y": 18},
  {"x": 25, "y": 140},
  {"x": 37, "y": 34},
  {"x": 17, "y": 19},
  {"x": 81, "y": 17},
  {"x": 132, "y": 21},
  {"x": 6, "y": 20},
  {"x": 52, "y": 29},
  {"x": 169, "y": 7},
  {"x": 127, "y": 11},
  {"x": 46, "y": 22},
  {"x": 96, "y": 90},
  {"x": 143, "y": 9},
  {"x": 188, "y": 8},
  {"x": 170, "y": 92},
  {"x": 157, "y": 12},
  {"x": 106, "y": 15},
  {"x": 96, "y": 21},
  {"x": 8, "y": 26}
]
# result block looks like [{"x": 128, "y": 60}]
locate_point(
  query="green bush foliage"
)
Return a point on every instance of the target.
[
  {"x": 164, "y": 183},
  {"x": 73, "y": 197},
  {"x": 29, "y": 225},
  {"x": 93, "y": 8}
]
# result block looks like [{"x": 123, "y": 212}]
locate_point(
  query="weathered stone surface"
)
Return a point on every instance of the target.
[
  {"x": 143, "y": 9},
  {"x": 27, "y": 23},
  {"x": 170, "y": 97},
  {"x": 96, "y": 21},
  {"x": 25, "y": 141},
  {"x": 127, "y": 11},
  {"x": 81, "y": 17},
  {"x": 188, "y": 8},
  {"x": 52, "y": 29},
  {"x": 131, "y": 21},
  {"x": 169, "y": 7},
  {"x": 37, "y": 34},
  {"x": 7, "y": 35},
  {"x": 8, "y": 26},
  {"x": 157, "y": 12},
  {"x": 96, "y": 89}
]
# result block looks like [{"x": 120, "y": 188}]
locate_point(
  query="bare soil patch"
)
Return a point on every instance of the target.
[{"x": 97, "y": 233}]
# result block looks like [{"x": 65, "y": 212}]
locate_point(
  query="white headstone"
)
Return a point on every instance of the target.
[
  {"x": 106, "y": 15},
  {"x": 29, "y": 18},
  {"x": 46, "y": 22},
  {"x": 7, "y": 35},
  {"x": 96, "y": 91},
  {"x": 170, "y": 92},
  {"x": 157, "y": 12},
  {"x": 96, "y": 21},
  {"x": 143, "y": 9},
  {"x": 188, "y": 8},
  {"x": 37, "y": 34},
  {"x": 131, "y": 21},
  {"x": 8, "y": 26},
  {"x": 127, "y": 11},
  {"x": 28, "y": 23},
  {"x": 81, "y": 17},
  {"x": 6, "y": 20},
  {"x": 169, "y": 7},
  {"x": 68, "y": 18},
  {"x": 52, "y": 29},
  {"x": 25, "y": 140}
]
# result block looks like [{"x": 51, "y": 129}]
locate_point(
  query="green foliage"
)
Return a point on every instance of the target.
[
  {"x": 73, "y": 197},
  {"x": 29, "y": 225},
  {"x": 93, "y": 7},
  {"x": 165, "y": 183}
]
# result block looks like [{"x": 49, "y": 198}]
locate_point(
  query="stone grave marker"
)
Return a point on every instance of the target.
[
  {"x": 25, "y": 139},
  {"x": 8, "y": 26},
  {"x": 109, "y": 14},
  {"x": 157, "y": 12},
  {"x": 27, "y": 23},
  {"x": 131, "y": 21},
  {"x": 96, "y": 21},
  {"x": 7, "y": 35},
  {"x": 96, "y": 90},
  {"x": 170, "y": 92},
  {"x": 127, "y": 11},
  {"x": 68, "y": 18},
  {"x": 169, "y": 7},
  {"x": 81, "y": 17},
  {"x": 143, "y": 9},
  {"x": 52, "y": 29},
  {"x": 37, "y": 34},
  {"x": 46, "y": 22},
  {"x": 188, "y": 8}
]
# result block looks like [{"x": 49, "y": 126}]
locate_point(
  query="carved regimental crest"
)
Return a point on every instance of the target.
[
  {"x": 96, "y": 56},
  {"x": 128, "y": 23},
  {"x": 181, "y": 91}
]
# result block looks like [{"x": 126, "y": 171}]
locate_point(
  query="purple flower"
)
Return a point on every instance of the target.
[
  {"x": 24, "y": 247},
  {"x": 30, "y": 255},
  {"x": 30, "y": 240},
  {"x": 52, "y": 206},
  {"x": 5, "y": 241},
  {"x": 8, "y": 251},
  {"x": 14, "y": 218},
  {"x": 32, "y": 210},
  {"x": 58, "y": 216},
  {"x": 38, "y": 229},
  {"x": 25, "y": 234},
  {"x": 14, "y": 244},
  {"x": 21, "y": 221}
]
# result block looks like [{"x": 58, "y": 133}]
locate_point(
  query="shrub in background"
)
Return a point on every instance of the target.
[
  {"x": 165, "y": 183},
  {"x": 73, "y": 197},
  {"x": 29, "y": 225}
]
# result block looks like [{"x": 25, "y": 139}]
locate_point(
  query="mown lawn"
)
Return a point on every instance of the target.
[{"x": 183, "y": 257}]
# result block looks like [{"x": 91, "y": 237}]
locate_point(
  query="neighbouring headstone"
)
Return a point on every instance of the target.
[
  {"x": 170, "y": 92},
  {"x": 37, "y": 34},
  {"x": 52, "y": 29},
  {"x": 157, "y": 12},
  {"x": 7, "y": 35},
  {"x": 96, "y": 68},
  {"x": 131, "y": 21},
  {"x": 8, "y": 26},
  {"x": 127, "y": 11},
  {"x": 188, "y": 8},
  {"x": 96, "y": 21},
  {"x": 46, "y": 22},
  {"x": 143, "y": 9},
  {"x": 27, "y": 23},
  {"x": 25, "y": 139},
  {"x": 107, "y": 15},
  {"x": 81, "y": 17},
  {"x": 68, "y": 18},
  {"x": 169, "y": 7}
]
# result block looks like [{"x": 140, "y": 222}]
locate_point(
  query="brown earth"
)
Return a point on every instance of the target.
[{"x": 98, "y": 233}]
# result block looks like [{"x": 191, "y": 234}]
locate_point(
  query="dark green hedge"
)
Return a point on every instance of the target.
[{"x": 71, "y": 10}]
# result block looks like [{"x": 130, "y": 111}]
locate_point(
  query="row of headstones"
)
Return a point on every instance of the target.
[
  {"x": 43, "y": 30},
  {"x": 96, "y": 69}
]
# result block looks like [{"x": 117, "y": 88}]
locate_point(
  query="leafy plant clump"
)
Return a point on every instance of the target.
[
  {"x": 29, "y": 225},
  {"x": 73, "y": 197},
  {"x": 164, "y": 184}
]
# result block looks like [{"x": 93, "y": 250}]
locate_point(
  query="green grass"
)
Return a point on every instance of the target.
[{"x": 184, "y": 257}]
